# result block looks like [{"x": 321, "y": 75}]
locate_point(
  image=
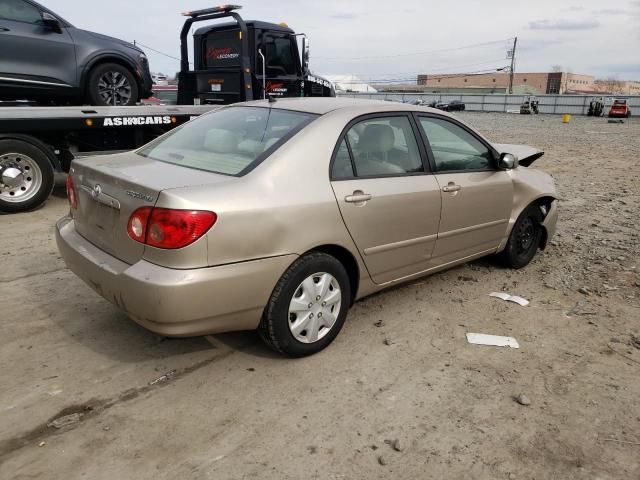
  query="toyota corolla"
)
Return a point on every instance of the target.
[{"x": 278, "y": 215}]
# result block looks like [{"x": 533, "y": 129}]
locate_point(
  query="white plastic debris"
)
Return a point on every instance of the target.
[
  {"x": 493, "y": 340},
  {"x": 510, "y": 298}
]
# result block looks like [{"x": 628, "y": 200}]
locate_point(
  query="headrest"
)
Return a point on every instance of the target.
[
  {"x": 218, "y": 140},
  {"x": 376, "y": 138}
]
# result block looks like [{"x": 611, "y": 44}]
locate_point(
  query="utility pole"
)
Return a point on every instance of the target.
[{"x": 513, "y": 64}]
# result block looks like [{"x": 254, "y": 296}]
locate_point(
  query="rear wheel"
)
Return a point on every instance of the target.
[
  {"x": 308, "y": 306},
  {"x": 525, "y": 238},
  {"x": 111, "y": 84},
  {"x": 26, "y": 176}
]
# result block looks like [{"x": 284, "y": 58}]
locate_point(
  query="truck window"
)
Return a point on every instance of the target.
[
  {"x": 222, "y": 49},
  {"x": 280, "y": 58}
]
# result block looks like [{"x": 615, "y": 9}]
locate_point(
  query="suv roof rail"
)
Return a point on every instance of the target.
[{"x": 209, "y": 11}]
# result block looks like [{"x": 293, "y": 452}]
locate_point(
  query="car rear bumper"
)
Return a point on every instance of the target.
[{"x": 175, "y": 302}]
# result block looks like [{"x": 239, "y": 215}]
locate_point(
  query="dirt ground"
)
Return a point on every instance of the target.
[{"x": 225, "y": 407}]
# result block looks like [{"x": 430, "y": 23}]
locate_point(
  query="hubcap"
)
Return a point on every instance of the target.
[
  {"x": 525, "y": 235},
  {"x": 20, "y": 177},
  {"x": 314, "y": 308},
  {"x": 114, "y": 88}
]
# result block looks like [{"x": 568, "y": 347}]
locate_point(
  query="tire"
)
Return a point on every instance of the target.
[
  {"x": 279, "y": 321},
  {"x": 26, "y": 176},
  {"x": 524, "y": 239},
  {"x": 105, "y": 75}
]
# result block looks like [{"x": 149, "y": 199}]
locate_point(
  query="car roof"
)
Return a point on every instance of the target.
[{"x": 323, "y": 105}]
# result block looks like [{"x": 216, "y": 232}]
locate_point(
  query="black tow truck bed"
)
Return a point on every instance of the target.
[{"x": 46, "y": 139}]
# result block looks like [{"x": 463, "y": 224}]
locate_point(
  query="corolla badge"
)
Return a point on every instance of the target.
[{"x": 139, "y": 195}]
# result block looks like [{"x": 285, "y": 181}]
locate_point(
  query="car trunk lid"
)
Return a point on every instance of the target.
[{"x": 110, "y": 188}]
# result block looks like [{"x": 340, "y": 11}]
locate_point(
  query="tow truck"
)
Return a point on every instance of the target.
[{"x": 233, "y": 62}]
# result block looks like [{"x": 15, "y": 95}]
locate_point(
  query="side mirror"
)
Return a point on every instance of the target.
[
  {"x": 507, "y": 161},
  {"x": 305, "y": 55},
  {"x": 51, "y": 22}
]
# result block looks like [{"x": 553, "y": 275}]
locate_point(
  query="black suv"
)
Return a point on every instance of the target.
[{"x": 45, "y": 58}]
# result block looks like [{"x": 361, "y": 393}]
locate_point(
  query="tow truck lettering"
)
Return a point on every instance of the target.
[{"x": 128, "y": 121}]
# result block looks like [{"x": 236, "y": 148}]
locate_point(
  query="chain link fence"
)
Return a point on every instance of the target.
[{"x": 495, "y": 102}]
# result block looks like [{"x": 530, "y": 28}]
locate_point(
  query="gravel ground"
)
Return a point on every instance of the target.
[{"x": 88, "y": 394}]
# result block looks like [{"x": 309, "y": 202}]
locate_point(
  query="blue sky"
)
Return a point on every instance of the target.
[{"x": 386, "y": 40}]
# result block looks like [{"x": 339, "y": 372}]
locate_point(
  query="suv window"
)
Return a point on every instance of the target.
[
  {"x": 227, "y": 141},
  {"x": 20, "y": 11},
  {"x": 381, "y": 146},
  {"x": 454, "y": 148},
  {"x": 279, "y": 56}
]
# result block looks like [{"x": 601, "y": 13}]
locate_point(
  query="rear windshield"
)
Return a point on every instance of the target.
[{"x": 229, "y": 141}]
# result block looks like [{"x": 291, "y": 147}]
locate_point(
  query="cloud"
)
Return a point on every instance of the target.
[
  {"x": 344, "y": 16},
  {"x": 612, "y": 11},
  {"x": 573, "y": 9},
  {"x": 563, "y": 24}
]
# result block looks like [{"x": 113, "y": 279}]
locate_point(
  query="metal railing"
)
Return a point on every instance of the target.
[{"x": 498, "y": 102}]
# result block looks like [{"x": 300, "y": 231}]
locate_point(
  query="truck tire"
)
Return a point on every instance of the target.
[
  {"x": 111, "y": 84},
  {"x": 26, "y": 176}
]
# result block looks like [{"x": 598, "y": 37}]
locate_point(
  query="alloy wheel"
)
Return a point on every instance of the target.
[{"x": 114, "y": 88}]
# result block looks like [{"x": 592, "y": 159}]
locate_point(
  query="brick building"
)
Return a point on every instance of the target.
[{"x": 549, "y": 82}]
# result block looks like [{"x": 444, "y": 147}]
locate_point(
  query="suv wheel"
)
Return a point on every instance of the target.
[
  {"x": 26, "y": 176},
  {"x": 308, "y": 306},
  {"x": 111, "y": 84}
]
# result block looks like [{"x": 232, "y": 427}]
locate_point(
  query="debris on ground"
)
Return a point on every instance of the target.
[
  {"x": 65, "y": 420},
  {"x": 584, "y": 291},
  {"x": 510, "y": 298},
  {"x": 635, "y": 341},
  {"x": 379, "y": 323},
  {"x": 42, "y": 444},
  {"x": 493, "y": 340},
  {"x": 382, "y": 460},
  {"x": 522, "y": 399},
  {"x": 163, "y": 378},
  {"x": 388, "y": 341},
  {"x": 397, "y": 445}
]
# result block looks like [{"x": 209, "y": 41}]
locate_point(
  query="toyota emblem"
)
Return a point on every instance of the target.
[{"x": 96, "y": 191}]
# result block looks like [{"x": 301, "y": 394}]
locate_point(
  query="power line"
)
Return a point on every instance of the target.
[
  {"x": 417, "y": 53},
  {"x": 154, "y": 50}
]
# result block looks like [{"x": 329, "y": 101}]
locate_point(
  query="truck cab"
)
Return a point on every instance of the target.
[{"x": 240, "y": 60}]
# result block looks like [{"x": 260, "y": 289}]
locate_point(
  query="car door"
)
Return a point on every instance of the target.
[
  {"x": 389, "y": 200},
  {"x": 31, "y": 54},
  {"x": 477, "y": 197}
]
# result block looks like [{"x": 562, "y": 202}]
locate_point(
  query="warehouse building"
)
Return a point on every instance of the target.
[{"x": 540, "y": 83}]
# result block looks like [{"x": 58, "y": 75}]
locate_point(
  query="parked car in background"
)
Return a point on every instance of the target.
[
  {"x": 43, "y": 57},
  {"x": 159, "y": 79},
  {"x": 162, "y": 95},
  {"x": 620, "y": 109},
  {"x": 212, "y": 228},
  {"x": 452, "y": 106}
]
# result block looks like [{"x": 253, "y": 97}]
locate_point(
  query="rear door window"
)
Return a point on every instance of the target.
[
  {"x": 381, "y": 146},
  {"x": 229, "y": 141}
]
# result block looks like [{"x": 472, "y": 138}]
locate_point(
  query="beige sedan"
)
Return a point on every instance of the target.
[{"x": 277, "y": 216}]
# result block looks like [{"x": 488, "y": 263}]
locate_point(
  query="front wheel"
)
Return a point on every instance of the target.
[
  {"x": 524, "y": 239},
  {"x": 26, "y": 176},
  {"x": 308, "y": 306},
  {"x": 113, "y": 85}
]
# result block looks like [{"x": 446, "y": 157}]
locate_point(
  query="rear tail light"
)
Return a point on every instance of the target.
[
  {"x": 168, "y": 228},
  {"x": 71, "y": 192}
]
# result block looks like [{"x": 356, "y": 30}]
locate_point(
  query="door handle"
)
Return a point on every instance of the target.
[
  {"x": 451, "y": 187},
  {"x": 357, "y": 197}
]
